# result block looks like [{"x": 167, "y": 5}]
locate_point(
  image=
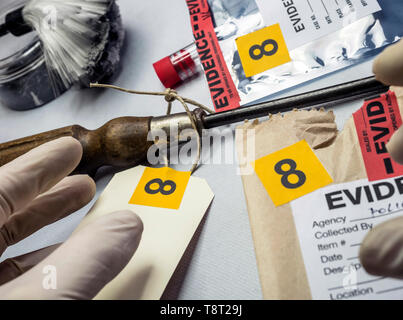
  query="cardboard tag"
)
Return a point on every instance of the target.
[
  {"x": 262, "y": 50},
  {"x": 166, "y": 234},
  {"x": 291, "y": 173},
  {"x": 375, "y": 123},
  {"x": 161, "y": 188}
]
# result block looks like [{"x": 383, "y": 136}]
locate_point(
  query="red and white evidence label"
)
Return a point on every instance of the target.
[
  {"x": 376, "y": 122},
  {"x": 222, "y": 89}
]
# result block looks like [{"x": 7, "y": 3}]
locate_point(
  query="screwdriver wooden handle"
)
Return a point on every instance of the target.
[{"x": 121, "y": 143}]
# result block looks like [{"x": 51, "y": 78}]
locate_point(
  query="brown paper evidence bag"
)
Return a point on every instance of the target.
[{"x": 279, "y": 257}]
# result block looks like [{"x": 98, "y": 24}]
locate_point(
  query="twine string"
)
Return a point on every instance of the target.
[{"x": 170, "y": 97}]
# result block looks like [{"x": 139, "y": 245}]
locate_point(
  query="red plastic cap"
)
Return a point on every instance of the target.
[{"x": 166, "y": 72}]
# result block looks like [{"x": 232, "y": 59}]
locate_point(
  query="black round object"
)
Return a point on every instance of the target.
[{"x": 109, "y": 58}]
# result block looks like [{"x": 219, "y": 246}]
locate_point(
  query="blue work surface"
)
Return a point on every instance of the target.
[{"x": 222, "y": 264}]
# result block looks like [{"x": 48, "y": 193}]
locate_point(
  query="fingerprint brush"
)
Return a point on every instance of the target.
[{"x": 75, "y": 36}]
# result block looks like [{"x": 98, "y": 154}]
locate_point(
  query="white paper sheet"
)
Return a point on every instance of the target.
[
  {"x": 331, "y": 224},
  {"x": 303, "y": 21}
]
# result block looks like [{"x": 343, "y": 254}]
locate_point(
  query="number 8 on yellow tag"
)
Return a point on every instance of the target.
[
  {"x": 161, "y": 188},
  {"x": 262, "y": 50},
  {"x": 291, "y": 173}
]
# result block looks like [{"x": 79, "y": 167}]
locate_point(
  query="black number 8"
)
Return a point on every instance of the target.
[
  {"x": 161, "y": 188},
  {"x": 292, "y": 171},
  {"x": 262, "y": 49}
]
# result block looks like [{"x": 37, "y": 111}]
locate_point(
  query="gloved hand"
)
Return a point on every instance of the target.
[
  {"x": 381, "y": 252},
  {"x": 35, "y": 192}
]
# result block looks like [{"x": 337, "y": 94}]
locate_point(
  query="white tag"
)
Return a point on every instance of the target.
[
  {"x": 331, "y": 224},
  {"x": 167, "y": 233},
  {"x": 303, "y": 21}
]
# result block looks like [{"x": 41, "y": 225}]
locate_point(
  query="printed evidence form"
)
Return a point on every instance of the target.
[
  {"x": 303, "y": 21},
  {"x": 331, "y": 232}
]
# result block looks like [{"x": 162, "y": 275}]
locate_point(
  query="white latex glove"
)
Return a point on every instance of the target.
[
  {"x": 35, "y": 192},
  {"x": 381, "y": 252}
]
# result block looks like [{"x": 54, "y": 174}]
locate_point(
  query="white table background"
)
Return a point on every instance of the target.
[{"x": 222, "y": 265}]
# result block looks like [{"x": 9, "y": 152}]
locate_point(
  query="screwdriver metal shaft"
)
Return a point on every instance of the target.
[
  {"x": 330, "y": 96},
  {"x": 123, "y": 142}
]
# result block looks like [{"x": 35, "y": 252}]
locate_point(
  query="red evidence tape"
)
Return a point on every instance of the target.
[
  {"x": 222, "y": 89},
  {"x": 376, "y": 122}
]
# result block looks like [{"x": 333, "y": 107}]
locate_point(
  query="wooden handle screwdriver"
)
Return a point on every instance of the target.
[
  {"x": 124, "y": 142},
  {"x": 121, "y": 143}
]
